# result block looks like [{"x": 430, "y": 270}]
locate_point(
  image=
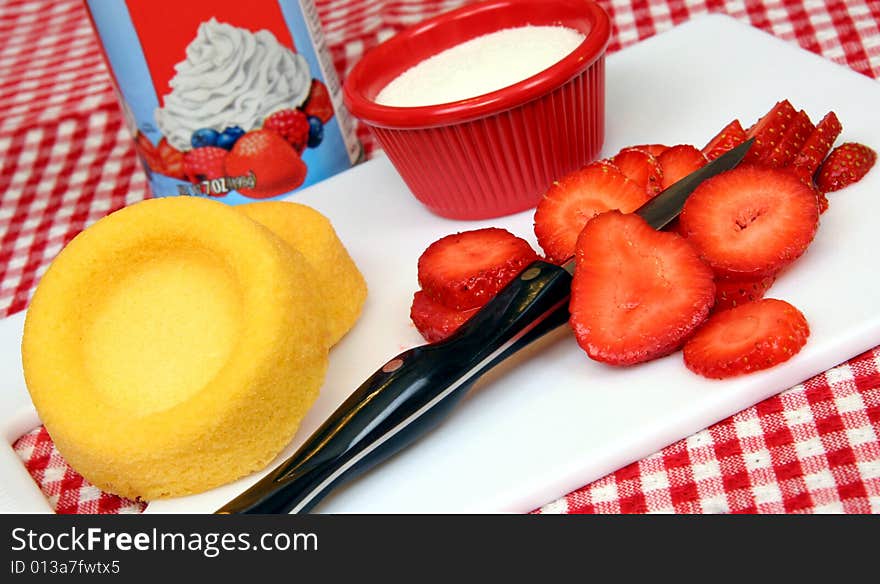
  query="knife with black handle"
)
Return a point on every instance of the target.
[{"x": 415, "y": 390}]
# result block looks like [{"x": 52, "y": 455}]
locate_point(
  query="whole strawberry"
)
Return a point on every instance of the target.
[
  {"x": 846, "y": 164},
  {"x": 271, "y": 161},
  {"x": 204, "y": 163},
  {"x": 290, "y": 124}
]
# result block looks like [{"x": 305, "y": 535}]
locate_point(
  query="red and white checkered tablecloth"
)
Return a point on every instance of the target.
[{"x": 66, "y": 160}]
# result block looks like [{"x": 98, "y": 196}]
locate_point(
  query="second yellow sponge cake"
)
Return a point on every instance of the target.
[
  {"x": 342, "y": 287},
  {"x": 174, "y": 346}
]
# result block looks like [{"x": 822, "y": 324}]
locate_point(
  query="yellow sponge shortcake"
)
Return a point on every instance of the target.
[
  {"x": 174, "y": 346},
  {"x": 343, "y": 288}
]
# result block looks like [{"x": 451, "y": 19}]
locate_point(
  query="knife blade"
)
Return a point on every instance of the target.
[
  {"x": 412, "y": 392},
  {"x": 663, "y": 208}
]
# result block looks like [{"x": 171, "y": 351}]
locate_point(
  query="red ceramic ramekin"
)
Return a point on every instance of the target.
[{"x": 497, "y": 153}]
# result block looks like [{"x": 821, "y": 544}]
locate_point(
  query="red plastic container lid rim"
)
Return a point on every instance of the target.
[{"x": 366, "y": 109}]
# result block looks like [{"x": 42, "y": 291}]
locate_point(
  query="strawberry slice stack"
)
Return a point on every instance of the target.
[
  {"x": 460, "y": 273},
  {"x": 699, "y": 285}
]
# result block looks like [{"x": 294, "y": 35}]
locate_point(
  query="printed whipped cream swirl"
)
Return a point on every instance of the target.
[{"x": 231, "y": 77}]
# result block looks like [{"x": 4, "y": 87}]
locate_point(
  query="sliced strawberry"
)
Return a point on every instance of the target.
[
  {"x": 730, "y": 292},
  {"x": 847, "y": 164},
  {"x": 652, "y": 149},
  {"x": 433, "y": 320},
  {"x": 752, "y": 336},
  {"x": 679, "y": 161},
  {"x": 674, "y": 226},
  {"x": 823, "y": 202},
  {"x": 768, "y": 131},
  {"x": 751, "y": 221},
  {"x": 730, "y": 136},
  {"x": 467, "y": 269},
  {"x": 640, "y": 166},
  {"x": 637, "y": 293},
  {"x": 576, "y": 198},
  {"x": 817, "y": 146},
  {"x": 791, "y": 142}
]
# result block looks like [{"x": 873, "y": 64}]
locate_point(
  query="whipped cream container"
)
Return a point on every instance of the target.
[{"x": 226, "y": 99}]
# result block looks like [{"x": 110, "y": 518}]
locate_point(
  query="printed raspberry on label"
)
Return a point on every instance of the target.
[
  {"x": 292, "y": 125},
  {"x": 205, "y": 163}
]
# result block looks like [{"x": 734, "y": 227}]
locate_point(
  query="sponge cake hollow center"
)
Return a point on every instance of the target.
[{"x": 162, "y": 331}]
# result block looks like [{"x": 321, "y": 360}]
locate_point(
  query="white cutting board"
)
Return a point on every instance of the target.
[{"x": 551, "y": 420}]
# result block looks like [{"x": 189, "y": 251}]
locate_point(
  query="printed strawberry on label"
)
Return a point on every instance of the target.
[
  {"x": 318, "y": 103},
  {"x": 172, "y": 159},
  {"x": 148, "y": 152},
  {"x": 274, "y": 164}
]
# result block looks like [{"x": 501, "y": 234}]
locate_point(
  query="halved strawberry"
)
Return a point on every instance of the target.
[
  {"x": 752, "y": 336},
  {"x": 640, "y": 166},
  {"x": 730, "y": 136},
  {"x": 637, "y": 293},
  {"x": 847, "y": 164},
  {"x": 652, "y": 149},
  {"x": 679, "y": 161},
  {"x": 768, "y": 131},
  {"x": 578, "y": 197},
  {"x": 791, "y": 142},
  {"x": 817, "y": 146},
  {"x": 465, "y": 270},
  {"x": 730, "y": 292},
  {"x": 433, "y": 320},
  {"x": 751, "y": 221}
]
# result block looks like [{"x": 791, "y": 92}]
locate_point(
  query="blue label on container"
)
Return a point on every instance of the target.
[{"x": 232, "y": 100}]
